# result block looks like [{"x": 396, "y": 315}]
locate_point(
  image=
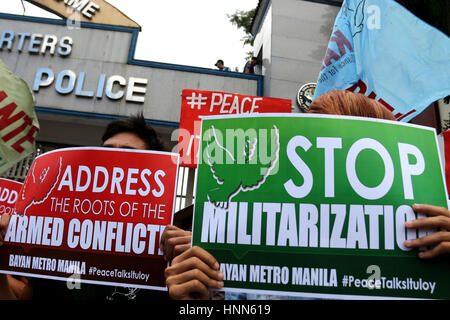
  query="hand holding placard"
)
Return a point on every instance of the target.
[
  {"x": 174, "y": 241},
  {"x": 4, "y": 220},
  {"x": 192, "y": 273},
  {"x": 440, "y": 219}
]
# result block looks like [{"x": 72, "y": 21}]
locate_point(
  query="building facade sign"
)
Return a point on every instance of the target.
[
  {"x": 98, "y": 11},
  {"x": 92, "y": 69}
]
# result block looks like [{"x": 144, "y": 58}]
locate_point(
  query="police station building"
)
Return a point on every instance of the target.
[{"x": 84, "y": 74}]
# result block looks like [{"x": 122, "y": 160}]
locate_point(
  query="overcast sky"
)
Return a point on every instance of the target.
[{"x": 193, "y": 33}]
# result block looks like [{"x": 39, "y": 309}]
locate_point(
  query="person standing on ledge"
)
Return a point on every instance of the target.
[
  {"x": 250, "y": 65},
  {"x": 219, "y": 64}
]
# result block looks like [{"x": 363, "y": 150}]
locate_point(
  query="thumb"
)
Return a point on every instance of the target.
[{"x": 4, "y": 221}]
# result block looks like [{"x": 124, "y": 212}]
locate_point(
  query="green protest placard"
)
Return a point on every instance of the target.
[
  {"x": 315, "y": 206},
  {"x": 18, "y": 121}
]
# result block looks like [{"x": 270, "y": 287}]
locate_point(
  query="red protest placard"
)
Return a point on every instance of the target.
[
  {"x": 9, "y": 191},
  {"x": 96, "y": 213},
  {"x": 197, "y": 103}
]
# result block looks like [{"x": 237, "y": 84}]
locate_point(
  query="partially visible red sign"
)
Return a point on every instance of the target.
[
  {"x": 9, "y": 192},
  {"x": 196, "y": 103},
  {"x": 94, "y": 212},
  {"x": 447, "y": 158}
]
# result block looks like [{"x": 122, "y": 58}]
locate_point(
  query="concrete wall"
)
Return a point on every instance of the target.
[{"x": 263, "y": 46}]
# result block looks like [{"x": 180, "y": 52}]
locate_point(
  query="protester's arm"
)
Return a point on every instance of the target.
[
  {"x": 174, "y": 241},
  {"x": 191, "y": 275},
  {"x": 20, "y": 287},
  {"x": 439, "y": 218},
  {"x": 6, "y": 292},
  {"x": 4, "y": 221},
  {"x": 14, "y": 289}
]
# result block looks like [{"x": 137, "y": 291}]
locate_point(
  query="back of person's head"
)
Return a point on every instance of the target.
[
  {"x": 136, "y": 125},
  {"x": 348, "y": 103}
]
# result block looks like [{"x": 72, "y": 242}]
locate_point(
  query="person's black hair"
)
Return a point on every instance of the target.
[{"x": 135, "y": 124}]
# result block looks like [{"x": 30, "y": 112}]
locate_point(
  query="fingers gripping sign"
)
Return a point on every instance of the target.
[
  {"x": 4, "y": 220},
  {"x": 437, "y": 218},
  {"x": 174, "y": 241},
  {"x": 191, "y": 275}
]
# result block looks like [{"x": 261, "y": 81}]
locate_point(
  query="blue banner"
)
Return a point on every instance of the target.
[{"x": 382, "y": 50}]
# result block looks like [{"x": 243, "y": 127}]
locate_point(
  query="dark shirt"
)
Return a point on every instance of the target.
[{"x": 251, "y": 67}]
